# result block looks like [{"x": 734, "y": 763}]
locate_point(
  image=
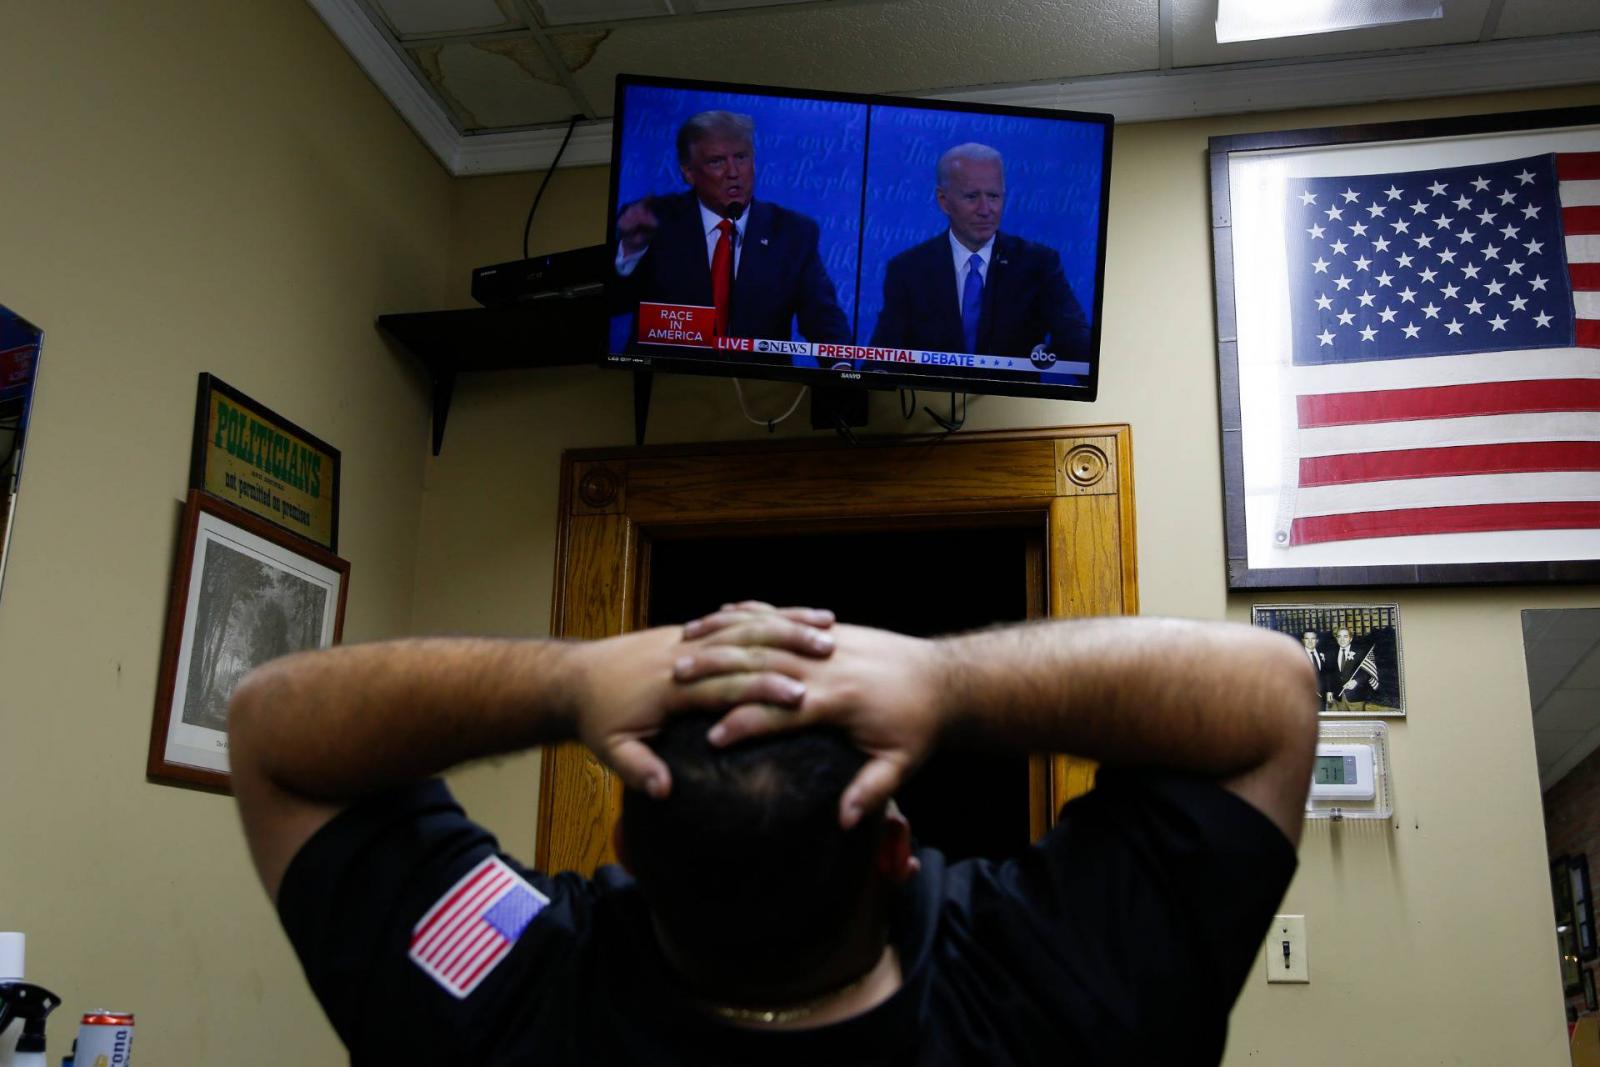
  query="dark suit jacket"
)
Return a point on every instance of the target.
[
  {"x": 780, "y": 276},
  {"x": 1026, "y": 301}
]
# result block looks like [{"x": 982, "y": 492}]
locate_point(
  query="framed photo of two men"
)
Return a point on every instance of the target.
[
  {"x": 1408, "y": 326},
  {"x": 1354, "y": 648}
]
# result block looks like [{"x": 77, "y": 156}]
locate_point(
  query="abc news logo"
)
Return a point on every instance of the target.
[{"x": 784, "y": 348}]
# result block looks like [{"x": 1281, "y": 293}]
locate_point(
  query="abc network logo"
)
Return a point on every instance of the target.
[{"x": 1042, "y": 359}]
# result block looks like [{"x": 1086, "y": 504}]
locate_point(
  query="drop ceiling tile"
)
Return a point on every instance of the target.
[
  {"x": 496, "y": 84},
  {"x": 1586, "y": 676},
  {"x": 569, "y": 12},
  {"x": 1194, "y": 36},
  {"x": 739, "y": 5},
  {"x": 1551, "y": 745},
  {"x": 1569, "y": 709},
  {"x": 894, "y": 46},
  {"x": 410, "y": 18},
  {"x": 1536, "y": 18}
]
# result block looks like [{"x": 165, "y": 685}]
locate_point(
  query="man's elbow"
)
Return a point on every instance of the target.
[
  {"x": 249, "y": 705},
  {"x": 1295, "y": 700}
]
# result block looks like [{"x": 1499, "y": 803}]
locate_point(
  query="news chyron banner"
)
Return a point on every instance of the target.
[{"x": 691, "y": 326}]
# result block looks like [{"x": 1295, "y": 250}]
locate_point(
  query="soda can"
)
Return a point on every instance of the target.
[{"x": 105, "y": 1039}]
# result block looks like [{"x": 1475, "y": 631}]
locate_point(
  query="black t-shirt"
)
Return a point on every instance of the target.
[{"x": 1122, "y": 937}]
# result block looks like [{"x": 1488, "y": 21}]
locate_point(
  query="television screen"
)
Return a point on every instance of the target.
[{"x": 857, "y": 240}]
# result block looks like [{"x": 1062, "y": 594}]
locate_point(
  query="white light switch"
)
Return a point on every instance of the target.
[{"x": 1286, "y": 950}]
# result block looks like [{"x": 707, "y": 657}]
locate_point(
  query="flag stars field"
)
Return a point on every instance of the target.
[{"x": 1460, "y": 205}]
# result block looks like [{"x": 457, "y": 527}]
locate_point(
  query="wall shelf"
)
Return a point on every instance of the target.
[{"x": 558, "y": 332}]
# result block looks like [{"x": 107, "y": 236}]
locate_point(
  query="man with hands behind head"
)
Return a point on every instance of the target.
[{"x": 777, "y": 911}]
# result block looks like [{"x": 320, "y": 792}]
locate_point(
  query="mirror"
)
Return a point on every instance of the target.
[
  {"x": 1562, "y": 647},
  {"x": 19, "y": 362}
]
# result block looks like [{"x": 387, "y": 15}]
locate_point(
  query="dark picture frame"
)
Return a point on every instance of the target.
[
  {"x": 1367, "y": 682},
  {"x": 248, "y": 455},
  {"x": 1582, "y": 906},
  {"x": 243, "y": 591},
  {"x": 1312, "y": 497}
]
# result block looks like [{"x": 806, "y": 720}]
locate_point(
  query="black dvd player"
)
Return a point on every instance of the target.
[{"x": 557, "y": 276}]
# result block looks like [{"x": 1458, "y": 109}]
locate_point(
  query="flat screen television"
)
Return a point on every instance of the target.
[{"x": 853, "y": 240}]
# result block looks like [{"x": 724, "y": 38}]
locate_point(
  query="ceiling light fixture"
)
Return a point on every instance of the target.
[{"x": 1258, "y": 20}]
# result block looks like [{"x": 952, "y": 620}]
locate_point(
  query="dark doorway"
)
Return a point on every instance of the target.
[{"x": 921, "y": 581}]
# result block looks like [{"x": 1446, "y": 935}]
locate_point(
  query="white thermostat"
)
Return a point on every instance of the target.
[
  {"x": 1342, "y": 772},
  {"x": 1350, "y": 776}
]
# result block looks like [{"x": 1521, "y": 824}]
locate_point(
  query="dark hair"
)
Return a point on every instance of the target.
[
  {"x": 744, "y": 864},
  {"x": 697, "y": 128}
]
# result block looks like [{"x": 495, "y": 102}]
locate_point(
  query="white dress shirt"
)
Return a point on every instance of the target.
[{"x": 963, "y": 255}]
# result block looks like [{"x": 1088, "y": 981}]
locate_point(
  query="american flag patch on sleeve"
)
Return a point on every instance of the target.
[{"x": 473, "y": 925}]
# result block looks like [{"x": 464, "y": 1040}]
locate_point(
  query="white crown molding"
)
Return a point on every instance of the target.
[
  {"x": 1146, "y": 96},
  {"x": 499, "y": 153}
]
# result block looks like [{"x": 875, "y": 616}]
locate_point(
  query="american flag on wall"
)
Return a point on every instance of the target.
[
  {"x": 471, "y": 928},
  {"x": 1446, "y": 350}
]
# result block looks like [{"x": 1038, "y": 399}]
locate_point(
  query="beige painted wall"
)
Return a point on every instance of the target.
[
  {"x": 1429, "y": 938},
  {"x": 183, "y": 187}
]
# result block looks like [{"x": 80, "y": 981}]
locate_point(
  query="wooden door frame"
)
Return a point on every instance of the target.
[{"x": 1075, "y": 482}]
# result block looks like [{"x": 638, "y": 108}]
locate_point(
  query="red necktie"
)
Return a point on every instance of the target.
[{"x": 722, "y": 276}]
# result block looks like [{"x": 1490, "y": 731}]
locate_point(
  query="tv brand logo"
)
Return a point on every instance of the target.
[{"x": 1042, "y": 359}]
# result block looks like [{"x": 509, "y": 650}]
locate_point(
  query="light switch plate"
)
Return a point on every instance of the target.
[{"x": 1293, "y": 967}]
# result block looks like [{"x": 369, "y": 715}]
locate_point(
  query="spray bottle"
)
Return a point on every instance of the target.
[{"x": 23, "y": 1045}]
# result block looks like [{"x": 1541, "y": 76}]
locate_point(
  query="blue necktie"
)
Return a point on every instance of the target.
[{"x": 972, "y": 301}]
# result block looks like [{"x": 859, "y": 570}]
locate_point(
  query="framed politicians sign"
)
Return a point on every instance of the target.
[
  {"x": 1408, "y": 321},
  {"x": 261, "y": 462}
]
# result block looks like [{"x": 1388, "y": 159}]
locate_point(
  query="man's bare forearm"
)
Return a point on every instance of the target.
[
  {"x": 1209, "y": 697},
  {"x": 344, "y": 722},
  {"x": 1232, "y": 702}
]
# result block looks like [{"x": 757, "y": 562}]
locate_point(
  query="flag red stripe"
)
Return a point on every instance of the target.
[
  {"x": 1449, "y": 401},
  {"x": 1577, "y": 166},
  {"x": 1472, "y": 518},
  {"x": 489, "y": 961},
  {"x": 444, "y": 908},
  {"x": 1587, "y": 333},
  {"x": 1460, "y": 459},
  {"x": 473, "y": 943},
  {"x": 1585, "y": 276},
  {"x": 1580, "y": 220},
  {"x": 445, "y": 933}
]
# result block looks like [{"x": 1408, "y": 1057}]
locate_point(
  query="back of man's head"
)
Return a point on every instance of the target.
[{"x": 744, "y": 864}]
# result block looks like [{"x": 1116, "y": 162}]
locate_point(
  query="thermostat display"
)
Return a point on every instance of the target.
[{"x": 1342, "y": 772}]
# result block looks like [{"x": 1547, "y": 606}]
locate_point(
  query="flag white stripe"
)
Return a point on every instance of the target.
[
  {"x": 1584, "y": 248},
  {"x": 487, "y": 965},
  {"x": 1586, "y": 305},
  {"x": 468, "y": 961},
  {"x": 1447, "y": 433},
  {"x": 468, "y": 947},
  {"x": 453, "y": 921},
  {"x": 444, "y": 898},
  {"x": 1446, "y": 492},
  {"x": 447, "y": 956},
  {"x": 1428, "y": 371},
  {"x": 459, "y": 914},
  {"x": 1580, "y": 193}
]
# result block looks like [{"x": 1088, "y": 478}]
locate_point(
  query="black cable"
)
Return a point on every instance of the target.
[
  {"x": 528, "y": 226},
  {"x": 908, "y": 411},
  {"x": 952, "y": 424}
]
